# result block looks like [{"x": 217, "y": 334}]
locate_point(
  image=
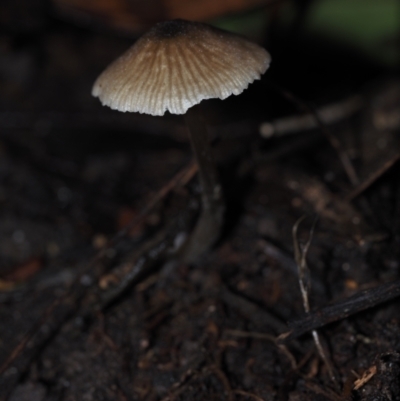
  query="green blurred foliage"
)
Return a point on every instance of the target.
[
  {"x": 371, "y": 26},
  {"x": 251, "y": 24}
]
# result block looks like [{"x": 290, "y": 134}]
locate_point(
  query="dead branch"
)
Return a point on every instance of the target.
[
  {"x": 341, "y": 310},
  {"x": 329, "y": 114}
]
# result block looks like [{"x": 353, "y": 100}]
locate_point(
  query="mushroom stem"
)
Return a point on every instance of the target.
[{"x": 209, "y": 225}]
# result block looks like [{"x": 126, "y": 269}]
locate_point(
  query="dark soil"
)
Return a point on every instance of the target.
[{"x": 90, "y": 312}]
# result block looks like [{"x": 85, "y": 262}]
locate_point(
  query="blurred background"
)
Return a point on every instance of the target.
[{"x": 324, "y": 52}]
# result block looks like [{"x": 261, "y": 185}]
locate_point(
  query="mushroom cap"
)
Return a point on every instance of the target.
[{"x": 176, "y": 65}]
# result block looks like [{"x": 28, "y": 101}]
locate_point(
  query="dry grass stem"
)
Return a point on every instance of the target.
[{"x": 300, "y": 253}]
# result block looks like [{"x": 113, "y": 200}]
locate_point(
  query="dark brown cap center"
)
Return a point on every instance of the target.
[{"x": 171, "y": 29}]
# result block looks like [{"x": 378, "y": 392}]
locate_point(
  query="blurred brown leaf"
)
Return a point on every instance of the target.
[
  {"x": 206, "y": 9},
  {"x": 21, "y": 273},
  {"x": 125, "y": 217},
  {"x": 134, "y": 16}
]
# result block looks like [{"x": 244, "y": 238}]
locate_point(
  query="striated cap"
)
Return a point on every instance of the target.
[{"x": 176, "y": 65}]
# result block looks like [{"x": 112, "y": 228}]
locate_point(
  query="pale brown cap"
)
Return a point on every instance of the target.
[{"x": 176, "y": 65}]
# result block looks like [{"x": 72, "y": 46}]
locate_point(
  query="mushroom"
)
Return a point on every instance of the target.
[{"x": 173, "y": 67}]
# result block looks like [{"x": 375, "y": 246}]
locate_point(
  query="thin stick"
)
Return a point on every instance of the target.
[
  {"x": 329, "y": 114},
  {"x": 341, "y": 310},
  {"x": 248, "y": 395},
  {"x": 343, "y": 156},
  {"x": 373, "y": 177},
  {"x": 265, "y": 337},
  {"x": 304, "y": 281}
]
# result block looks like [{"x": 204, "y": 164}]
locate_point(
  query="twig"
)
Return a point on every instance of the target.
[
  {"x": 182, "y": 177},
  {"x": 359, "y": 302},
  {"x": 287, "y": 263},
  {"x": 265, "y": 337},
  {"x": 329, "y": 114},
  {"x": 193, "y": 371},
  {"x": 247, "y": 394},
  {"x": 224, "y": 380},
  {"x": 373, "y": 177},
  {"x": 130, "y": 272},
  {"x": 262, "y": 318},
  {"x": 300, "y": 255},
  {"x": 304, "y": 281},
  {"x": 326, "y": 392},
  {"x": 343, "y": 156},
  {"x": 366, "y": 377}
]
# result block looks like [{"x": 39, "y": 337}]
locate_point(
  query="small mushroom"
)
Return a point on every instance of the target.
[{"x": 173, "y": 67}]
